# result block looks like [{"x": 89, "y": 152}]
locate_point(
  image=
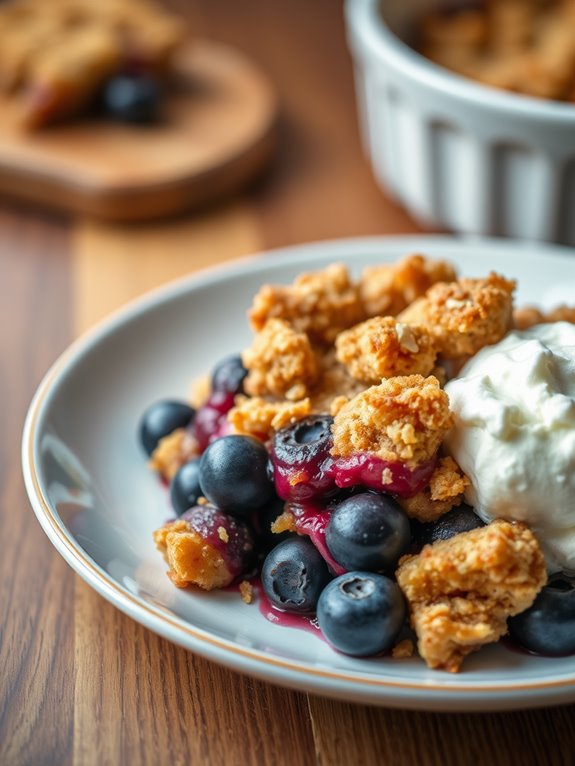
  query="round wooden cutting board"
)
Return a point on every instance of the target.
[{"x": 216, "y": 132}]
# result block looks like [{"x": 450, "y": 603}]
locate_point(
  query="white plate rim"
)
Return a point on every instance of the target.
[{"x": 353, "y": 686}]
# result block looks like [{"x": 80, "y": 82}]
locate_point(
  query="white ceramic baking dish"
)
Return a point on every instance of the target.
[{"x": 456, "y": 153}]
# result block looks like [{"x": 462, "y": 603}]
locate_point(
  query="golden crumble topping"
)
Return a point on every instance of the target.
[
  {"x": 387, "y": 289},
  {"x": 285, "y": 522},
  {"x": 280, "y": 362},
  {"x": 444, "y": 492},
  {"x": 190, "y": 558},
  {"x": 200, "y": 390},
  {"x": 561, "y": 314},
  {"x": 172, "y": 452},
  {"x": 319, "y": 303},
  {"x": 403, "y": 419},
  {"x": 466, "y": 315},
  {"x": 528, "y": 316},
  {"x": 382, "y": 347},
  {"x": 403, "y": 650},
  {"x": 525, "y": 46},
  {"x": 525, "y": 317},
  {"x": 260, "y": 418},
  {"x": 335, "y": 385},
  {"x": 461, "y": 591},
  {"x": 55, "y": 56},
  {"x": 246, "y": 591}
]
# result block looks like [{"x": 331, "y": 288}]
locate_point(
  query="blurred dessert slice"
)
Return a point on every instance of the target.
[{"x": 55, "y": 57}]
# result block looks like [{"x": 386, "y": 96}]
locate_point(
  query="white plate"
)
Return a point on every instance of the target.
[{"x": 97, "y": 502}]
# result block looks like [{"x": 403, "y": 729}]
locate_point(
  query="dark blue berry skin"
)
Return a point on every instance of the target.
[
  {"x": 229, "y": 375},
  {"x": 234, "y": 475},
  {"x": 294, "y": 574},
  {"x": 461, "y": 519},
  {"x": 548, "y": 626},
  {"x": 161, "y": 419},
  {"x": 361, "y": 613},
  {"x": 304, "y": 441},
  {"x": 303, "y": 450},
  {"x": 132, "y": 98},
  {"x": 369, "y": 532},
  {"x": 263, "y": 519},
  {"x": 185, "y": 487}
]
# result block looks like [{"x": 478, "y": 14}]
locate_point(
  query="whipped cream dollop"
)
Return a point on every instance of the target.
[{"x": 514, "y": 434}]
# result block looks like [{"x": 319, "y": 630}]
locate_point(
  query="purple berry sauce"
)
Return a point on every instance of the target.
[
  {"x": 311, "y": 521},
  {"x": 279, "y": 617},
  {"x": 229, "y": 536},
  {"x": 368, "y": 470},
  {"x": 304, "y": 483},
  {"x": 211, "y": 420}
]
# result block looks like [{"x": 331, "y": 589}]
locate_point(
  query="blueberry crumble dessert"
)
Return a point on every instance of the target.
[
  {"x": 62, "y": 58},
  {"x": 392, "y": 456},
  {"x": 523, "y": 46}
]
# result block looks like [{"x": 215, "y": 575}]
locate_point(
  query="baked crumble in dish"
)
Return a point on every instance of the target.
[
  {"x": 61, "y": 58},
  {"x": 319, "y": 469},
  {"x": 523, "y": 46}
]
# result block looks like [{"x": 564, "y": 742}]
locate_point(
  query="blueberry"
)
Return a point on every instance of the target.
[
  {"x": 294, "y": 574},
  {"x": 266, "y": 539},
  {"x": 548, "y": 626},
  {"x": 231, "y": 538},
  {"x": 229, "y": 375},
  {"x": 301, "y": 459},
  {"x": 132, "y": 98},
  {"x": 161, "y": 419},
  {"x": 234, "y": 476},
  {"x": 185, "y": 487},
  {"x": 461, "y": 519},
  {"x": 368, "y": 531},
  {"x": 361, "y": 613}
]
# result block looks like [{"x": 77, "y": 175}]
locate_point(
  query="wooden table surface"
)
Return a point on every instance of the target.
[{"x": 80, "y": 683}]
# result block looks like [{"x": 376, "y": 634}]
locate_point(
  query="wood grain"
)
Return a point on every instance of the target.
[
  {"x": 357, "y": 734},
  {"x": 158, "y": 703},
  {"x": 217, "y": 132},
  {"x": 114, "y": 264},
  {"x": 36, "y": 590}
]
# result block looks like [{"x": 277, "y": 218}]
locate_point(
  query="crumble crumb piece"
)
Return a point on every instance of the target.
[
  {"x": 246, "y": 591},
  {"x": 561, "y": 314},
  {"x": 337, "y": 404},
  {"x": 319, "y": 303},
  {"x": 223, "y": 534},
  {"x": 173, "y": 451},
  {"x": 280, "y": 362},
  {"x": 525, "y": 317},
  {"x": 403, "y": 419},
  {"x": 466, "y": 315},
  {"x": 445, "y": 491},
  {"x": 285, "y": 522},
  {"x": 403, "y": 650},
  {"x": 190, "y": 558},
  {"x": 461, "y": 591},
  {"x": 382, "y": 347},
  {"x": 525, "y": 46},
  {"x": 260, "y": 418},
  {"x": 334, "y": 383},
  {"x": 200, "y": 390},
  {"x": 528, "y": 316},
  {"x": 391, "y": 287}
]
